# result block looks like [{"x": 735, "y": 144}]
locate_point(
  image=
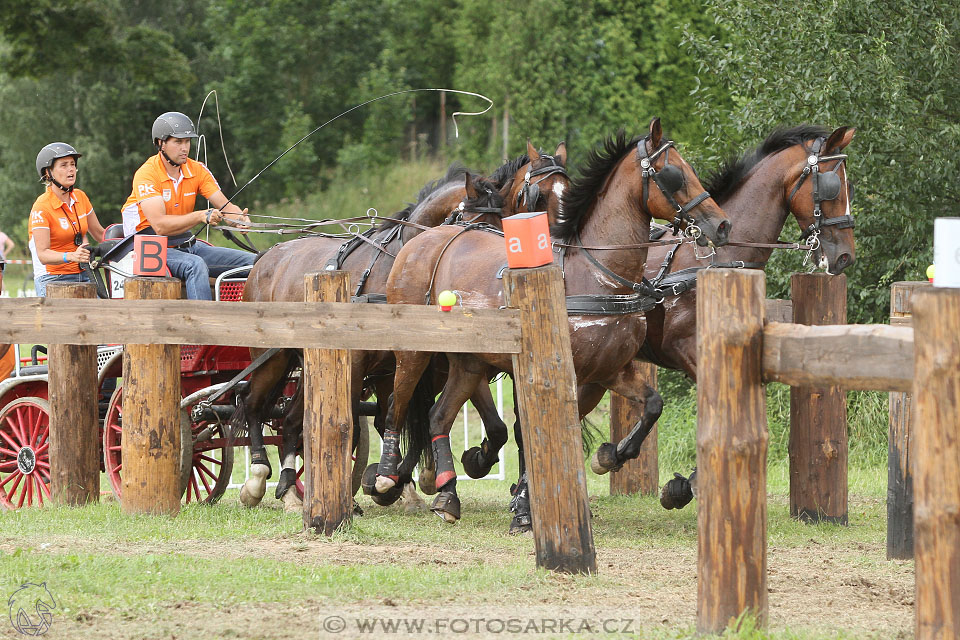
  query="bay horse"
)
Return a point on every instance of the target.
[
  {"x": 799, "y": 171},
  {"x": 624, "y": 185},
  {"x": 278, "y": 275}
]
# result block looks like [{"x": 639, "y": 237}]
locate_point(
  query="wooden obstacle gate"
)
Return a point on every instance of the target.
[
  {"x": 535, "y": 332},
  {"x": 737, "y": 354}
]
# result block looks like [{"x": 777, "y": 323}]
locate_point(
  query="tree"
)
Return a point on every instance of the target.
[{"x": 888, "y": 69}]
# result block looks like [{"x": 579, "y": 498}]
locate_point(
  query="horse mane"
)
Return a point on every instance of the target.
[
  {"x": 506, "y": 171},
  {"x": 577, "y": 199},
  {"x": 722, "y": 182},
  {"x": 455, "y": 171}
]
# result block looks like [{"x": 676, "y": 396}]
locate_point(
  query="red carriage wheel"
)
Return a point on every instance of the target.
[
  {"x": 212, "y": 461},
  {"x": 24, "y": 453},
  {"x": 113, "y": 439}
]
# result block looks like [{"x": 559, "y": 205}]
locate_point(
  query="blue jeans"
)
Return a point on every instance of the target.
[
  {"x": 40, "y": 283},
  {"x": 195, "y": 265}
]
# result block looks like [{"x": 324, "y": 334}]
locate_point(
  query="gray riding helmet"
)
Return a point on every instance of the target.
[
  {"x": 53, "y": 151},
  {"x": 172, "y": 124}
]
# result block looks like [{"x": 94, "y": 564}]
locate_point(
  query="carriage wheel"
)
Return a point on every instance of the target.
[
  {"x": 113, "y": 438},
  {"x": 24, "y": 453},
  {"x": 360, "y": 457},
  {"x": 211, "y": 465}
]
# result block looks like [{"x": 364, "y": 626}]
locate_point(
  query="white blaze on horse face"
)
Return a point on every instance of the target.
[
  {"x": 847, "y": 194},
  {"x": 558, "y": 188}
]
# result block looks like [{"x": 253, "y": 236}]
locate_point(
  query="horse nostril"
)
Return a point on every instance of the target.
[
  {"x": 844, "y": 261},
  {"x": 723, "y": 231}
]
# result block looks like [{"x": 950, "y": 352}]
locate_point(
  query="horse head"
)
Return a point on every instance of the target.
[
  {"x": 819, "y": 194},
  {"x": 671, "y": 190}
]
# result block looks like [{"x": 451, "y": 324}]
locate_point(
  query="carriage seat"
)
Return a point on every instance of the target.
[{"x": 113, "y": 232}]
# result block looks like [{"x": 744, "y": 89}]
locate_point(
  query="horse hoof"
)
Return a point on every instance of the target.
[
  {"x": 288, "y": 478},
  {"x": 256, "y": 485},
  {"x": 357, "y": 509},
  {"x": 604, "y": 459},
  {"x": 412, "y": 503},
  {"x": 520, "y": 525},
  {"x": 676, "y": 494},
  {"x": 472, "y": 461},
  {"x": 447, "y": 506},
  {"x": 428, "y": 481},
  {"x": 368, "y": 481},
  {"x": 292, "y": 502},
  {"x": 384, "y": 484}
]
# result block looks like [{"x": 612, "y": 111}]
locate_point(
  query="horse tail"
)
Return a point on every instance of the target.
[
  {"x": 591, "y": 435},
  {"x": 416, "y": 430}
]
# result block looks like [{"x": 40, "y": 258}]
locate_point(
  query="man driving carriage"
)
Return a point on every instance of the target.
[{"x": 162, "y": 202}]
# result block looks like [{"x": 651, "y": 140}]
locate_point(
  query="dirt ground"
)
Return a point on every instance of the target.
[{"x": 814, "y": 587}]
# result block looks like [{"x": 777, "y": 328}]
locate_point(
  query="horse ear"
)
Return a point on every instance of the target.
[
  {"x": 839, "y": 139},
  {"x": 561, "y": 153},
  {"x": 656, "y": 133},
  {"x": 470, "y": 187},
  {"x": 532, "y": 152}
]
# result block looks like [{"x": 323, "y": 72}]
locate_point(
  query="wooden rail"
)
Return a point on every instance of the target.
[
  {"x": 326, "y": 325},
  {"x": 731, "y": 449}
]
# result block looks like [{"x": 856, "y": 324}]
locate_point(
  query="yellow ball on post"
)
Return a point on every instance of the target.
[
  {"x": 446, "y": 300},
  {"x": 930, "y": 273}
]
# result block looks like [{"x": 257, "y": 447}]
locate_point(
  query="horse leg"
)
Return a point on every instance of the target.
[
  {"x": 462, "y": 380},
  {"x": 477, "y": 461},
  {"x": 266, "y": 383},
  {"x": 292, "y": 432},
  {"x": 522, "y": 521},
  {"x": 630, "y": 383},
  {"x": 410, "y": 367}
]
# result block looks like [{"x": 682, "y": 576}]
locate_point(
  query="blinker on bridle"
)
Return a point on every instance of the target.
[
  {"x": 669, "y": 180},
  {"x": 529, "y": 193},
  {"x": 826, "y": 186}
]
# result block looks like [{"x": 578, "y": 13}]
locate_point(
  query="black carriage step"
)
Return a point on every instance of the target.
[{"x": 33, "y": 370}]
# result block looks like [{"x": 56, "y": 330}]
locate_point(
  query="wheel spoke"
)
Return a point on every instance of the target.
[
  {"x": 8, "y": 467},
  {"x": 9, "y": 478},
  {"x": 43, "y": 465},
  {"x": 10, "y": 441},
  {"x": 27, "y": 492},
  {"x": 41, "y": 490},
  {"x": 117, "y": 468},
  {"x": 196, "y": 487},
  {"x": 8, "y": 452},
  {"x": 14, "y": 490},
  {"x": 203, "y": 479},
  {"x": 210, "y": 459},
  {"x": 42, "y": 448},
  {"x": 18, "y": 425},
  {"x": 203, "y": 470}
]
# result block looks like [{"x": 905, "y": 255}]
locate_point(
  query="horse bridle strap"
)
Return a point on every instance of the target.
[
  {"x": 529, "y": 193},
  {"x": 826, "y": 186},
  {"x": 643, "y": 286},
  {"x": 669, "y": 180}
]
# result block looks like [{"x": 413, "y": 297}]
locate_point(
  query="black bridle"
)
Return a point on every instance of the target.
[
  {"x": 669, "y": 180},
  {"x": 529, "y": 193},
  {"x": 826, "y": 186}
]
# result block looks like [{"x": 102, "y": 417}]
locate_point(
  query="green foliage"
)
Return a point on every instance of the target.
[{"x": 888, "y": 69}]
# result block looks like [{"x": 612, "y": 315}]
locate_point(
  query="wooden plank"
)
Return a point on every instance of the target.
[
  {"x": 549, "y": 419},
  {"x": 868, "y": 356},
  {"x": 260, "y": 324},
  {"x": 818, "y": 413},
  {"x": 936, "y": 397},
  {"x": 74, "y": 432},
  {"x": 776, "y": 310},
  {"x": 327, "y": 419},
  {"x": 150, "y": 447},
  {"x": 899, "y": 451},
  {"x": 731, "y": 449}
]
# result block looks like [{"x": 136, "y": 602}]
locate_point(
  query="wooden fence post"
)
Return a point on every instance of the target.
[
  {"x": 731, "y": 449},
  {"x": 818, "y": 415},
  {"x": 936, "y": 462},
  {"x": 899, "y": 454},
  {"x": 643, "y": 474},
  {"x": 546, "y": 386},
  {"x": 74, "y": 434},
  {"x": 327, "y": 418},
  {"x": 151, "y": 413}
]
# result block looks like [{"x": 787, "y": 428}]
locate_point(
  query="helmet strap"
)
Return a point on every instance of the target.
[
  {"x": 57, "y": 184},
  {"x": 165, "y": 156}
]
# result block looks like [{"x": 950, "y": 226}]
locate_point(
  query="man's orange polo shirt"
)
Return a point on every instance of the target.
[
  {"x": 179, "y": 197},
  {"x": 64, "y": 222}
]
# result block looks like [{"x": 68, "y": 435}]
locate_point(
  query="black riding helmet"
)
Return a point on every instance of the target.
[{"x": 51, "y": 153}]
